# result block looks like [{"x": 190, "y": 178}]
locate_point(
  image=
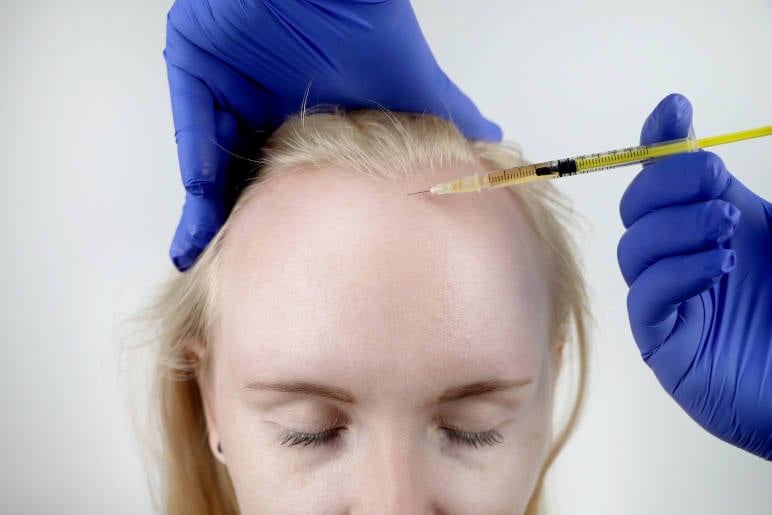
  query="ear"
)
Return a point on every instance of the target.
[{"x": 206, "y": 391}]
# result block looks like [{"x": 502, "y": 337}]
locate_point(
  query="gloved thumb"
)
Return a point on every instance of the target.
[{"x": 671, "y": 119}]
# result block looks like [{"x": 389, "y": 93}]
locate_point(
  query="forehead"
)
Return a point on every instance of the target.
[{"x": 328, "y": 267}]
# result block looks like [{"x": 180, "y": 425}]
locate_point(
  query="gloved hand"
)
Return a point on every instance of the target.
[
  {"x": 697, "y": 255},
  {"x": 237, "y": 67}
]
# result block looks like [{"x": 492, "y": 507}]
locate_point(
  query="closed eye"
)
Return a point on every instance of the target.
[{"x": 330, "y": 436}]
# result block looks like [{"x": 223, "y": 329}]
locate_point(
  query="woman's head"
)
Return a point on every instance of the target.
[{"x": 353, "y": 349}]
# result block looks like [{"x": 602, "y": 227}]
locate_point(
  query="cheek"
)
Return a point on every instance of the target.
[
  {"x": 264, "y": 479},
  {"x": 518, "y": 467},
  {"x": 500, "y": 480}
]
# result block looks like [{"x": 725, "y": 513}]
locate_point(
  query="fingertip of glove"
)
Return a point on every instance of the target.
[
  {"x": 492, "y": 132},
  {"x": 671, "y": 119},
  {"x": 728, "y": 218},
  {"x": 186, "y": 248},
  {"x": 676, "y": 104},
  {"x": 729, "y": 261},
  {"x": 182, "y": 262},
  {"x": 731, "y": 212}
]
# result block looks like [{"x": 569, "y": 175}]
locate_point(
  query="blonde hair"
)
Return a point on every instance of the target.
[{"x": 383, "y": 145}]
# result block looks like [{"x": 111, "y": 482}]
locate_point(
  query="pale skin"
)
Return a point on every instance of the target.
[{"x": 344, "y": 281}]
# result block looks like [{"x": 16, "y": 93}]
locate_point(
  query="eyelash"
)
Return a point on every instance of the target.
[{"x": 491, "y": 437}]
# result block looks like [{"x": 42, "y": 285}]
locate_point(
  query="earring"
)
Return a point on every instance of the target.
[{"x": 219, "y": 449}]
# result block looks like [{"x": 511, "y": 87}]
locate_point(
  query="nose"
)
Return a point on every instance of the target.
[{"x": 394, "y": 479}]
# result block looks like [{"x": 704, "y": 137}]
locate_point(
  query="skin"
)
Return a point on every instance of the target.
[{"x": 347, "y": 282}]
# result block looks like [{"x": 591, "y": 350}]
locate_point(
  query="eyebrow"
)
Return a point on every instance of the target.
[{"x": 452, "y": 394}]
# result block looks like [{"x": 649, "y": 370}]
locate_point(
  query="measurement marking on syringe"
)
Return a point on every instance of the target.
[{"x": 643, "y": 154}]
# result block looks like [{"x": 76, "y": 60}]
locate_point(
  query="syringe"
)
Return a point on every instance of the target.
[{"x": 588, "y": 163}]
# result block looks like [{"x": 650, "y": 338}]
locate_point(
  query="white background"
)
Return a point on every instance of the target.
[{"x": 91, "y": 196}]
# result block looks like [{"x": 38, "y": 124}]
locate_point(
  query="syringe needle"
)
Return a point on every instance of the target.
[{"x": 417, "y": 192}]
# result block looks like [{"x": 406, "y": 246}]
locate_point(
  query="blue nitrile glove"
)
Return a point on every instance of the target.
[
  {"x": 238, "y": 67},
  {"x": 697, "y": 255}
]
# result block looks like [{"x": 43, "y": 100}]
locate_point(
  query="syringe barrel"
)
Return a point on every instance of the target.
[{"x": 521, "y": 174}]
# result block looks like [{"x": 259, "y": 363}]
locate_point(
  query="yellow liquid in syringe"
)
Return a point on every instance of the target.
[{"x": 589, "y": 163}]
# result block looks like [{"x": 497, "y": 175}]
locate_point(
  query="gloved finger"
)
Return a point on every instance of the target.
[
  {"x": 466, "y": 116},
  {"x": 193, "y": 59},
  {"x": 194, "y": 127},
  {"x": 656, "y": 294},
  {"x": 201, "y": 219},
  {"x": 675, "y": 231},
  {"x": 671, "y": 119},
  {"x": 203, "y": 214},
  {"x": 679, "y": 179}
]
